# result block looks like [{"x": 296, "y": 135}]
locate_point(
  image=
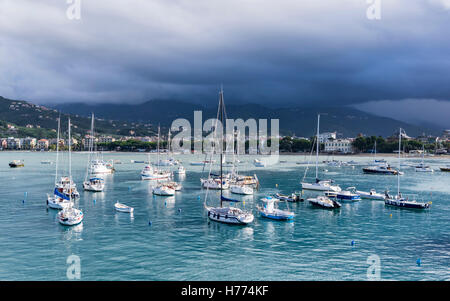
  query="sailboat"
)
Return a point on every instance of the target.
[
  {"x": 379, "y": 166},
  {"x": 70, "y": 216},
  {"x": 228, "y": 215},
  {"x": 422, "y": 167},
  {"x": 151, "y": 173},
  {"x": 399, "y": 200},
  {"x": 91, "y": 182},
  {"x": 237, "y": 186},
  {"x": 319, "y": 185},
  {"x": 58, "y": 200}
]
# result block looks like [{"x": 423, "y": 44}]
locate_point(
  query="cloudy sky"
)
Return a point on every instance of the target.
[{"x": 315, "y": 52}]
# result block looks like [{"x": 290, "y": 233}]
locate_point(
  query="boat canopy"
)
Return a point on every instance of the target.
[{"x": 61, "y": 195}]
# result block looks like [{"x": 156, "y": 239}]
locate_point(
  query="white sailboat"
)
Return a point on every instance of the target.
[
  {"x": 228, "y": 215},
  {"x": 70, "y": 216},
  {"x": 91, "y": 181},
  {"x": 319, "y": 185},
  {"x": 154, "y": 173},
  {"x": 422, "y": 167},
  {"x": 58, "y": 200}
]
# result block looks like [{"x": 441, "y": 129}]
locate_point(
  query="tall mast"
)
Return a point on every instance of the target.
[
  {"x": 158, "y": 145},
  {"x": 70, "y": 165},
  {"x": 57, "y": 148},
  {"x": 317, "y": 147},
  {"x": 399, "y": 162},
  {"x": 221, "y": 143}
]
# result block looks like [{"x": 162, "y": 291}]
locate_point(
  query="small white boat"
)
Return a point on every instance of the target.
[
  {"x": 123, "y": 208},
  {"x": 371, "y": 195},
  {"x": 423, "y": 168},
  {"x": 94, "y": 184},
  {"x": 268, "y": 210},
  {"x": 294, "y": 197},
  {"x": 164, "y": 190},
  {"x": 259, "y": 163},
  {"x": 241, "y": 189},
  {"x": 46, "y": 162},
  {"x": 181, "y": 170},
  {"x": 70, "y": 216},
  {"x": 324, "y": 202}
]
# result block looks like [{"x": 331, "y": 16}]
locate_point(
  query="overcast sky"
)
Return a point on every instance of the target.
[{"x": 273, "y": 52}]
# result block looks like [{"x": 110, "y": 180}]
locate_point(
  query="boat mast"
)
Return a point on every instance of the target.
[
  {"x": 70, "y": 165},
  {"x": 158, "y": 146},
  {"x": 91, "y": 146},
  {"x": 317, "y": 147},
  {"x": 57, "y": 148},
  {"x": 399, "y": 163},
  {"x": 221, "y": 144}
]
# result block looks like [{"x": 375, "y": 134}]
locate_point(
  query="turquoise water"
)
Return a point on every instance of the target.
[{"x": 182, "y": 245}]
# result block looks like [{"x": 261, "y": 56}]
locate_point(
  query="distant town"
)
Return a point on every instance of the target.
[{"x": 329, "y": 143}]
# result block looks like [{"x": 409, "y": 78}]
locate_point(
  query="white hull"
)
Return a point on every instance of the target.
[
  {"x": 123, "y": 208},
  {"x": 93, "y": 187},
  {"x": 58, "y": 203},
  {"x": 371, "y": 195},
  {"x": 70, "y": 217},
  {"x": 163, "y": 191},
  {"x": 320, "y": 187},
  {"x": 233, "y": 216},
  {"x": 244, "y": 190}
]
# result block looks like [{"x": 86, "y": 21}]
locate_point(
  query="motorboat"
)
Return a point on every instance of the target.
[
  {"x": 324, "y": 202},
  {"x": 445, "y": 168},
  {"x": 268, "y": 210},
  {"x": 294, "y": 197},
  {"x": 123, "y": 208},
  {"x": 241, "y": 189},
  {"x": 46, "y": 162},
  {"x": 371, "y": 195},
  {"x": 385, "y": 169},
  {"x": 164, "y": 190},
  {"x": 347, "y": 195},
  {"x": 94, "y": 184},
  {"x": 16, "y": 163}
]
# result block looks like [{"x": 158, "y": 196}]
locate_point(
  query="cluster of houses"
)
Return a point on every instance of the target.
[{"x": 332, "y": 143}]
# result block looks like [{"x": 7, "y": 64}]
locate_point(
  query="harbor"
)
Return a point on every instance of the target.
[{"x": 171, "y": 238}]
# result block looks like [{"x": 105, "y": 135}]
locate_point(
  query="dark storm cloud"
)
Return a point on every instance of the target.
[{"x": 289, "y": 51}]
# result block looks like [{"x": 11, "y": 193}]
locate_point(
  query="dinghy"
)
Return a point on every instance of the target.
[{"x": 123, "y": 208}]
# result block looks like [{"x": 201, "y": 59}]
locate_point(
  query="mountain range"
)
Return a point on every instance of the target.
[{"x": 294, "y": 120}]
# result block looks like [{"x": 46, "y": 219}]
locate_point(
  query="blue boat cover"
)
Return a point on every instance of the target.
[
  {"x": 229, "y": 200},
  {"x": 59, "y": 194}
]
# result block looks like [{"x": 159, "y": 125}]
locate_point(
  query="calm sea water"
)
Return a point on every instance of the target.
[{"x": 181, "y": 244}]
